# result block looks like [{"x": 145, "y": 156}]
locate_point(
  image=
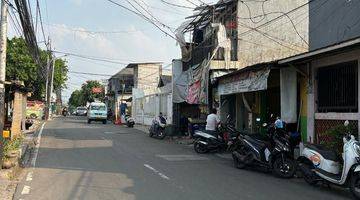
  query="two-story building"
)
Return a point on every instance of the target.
[
  {"x": 232, "y": 35},
  {"x": 330, "y": 70},
  {"x": 134, "y": 75}
]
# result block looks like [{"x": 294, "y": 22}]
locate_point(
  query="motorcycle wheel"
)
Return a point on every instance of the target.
[
  {"x": 308, "y": 177},
  {"x": 284, "y": 168},
  {"x": 161, "y": 135},
  {"x": 237, "y": 162},
  {"x": 151, "y": 133},
  {"x": 199, "y": 148},
  {"x": 355, "y": 185}
]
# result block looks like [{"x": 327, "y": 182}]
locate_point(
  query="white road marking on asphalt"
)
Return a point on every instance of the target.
[
  {"x": 36, "y": 151},
  {"x": 29, "y": 176},
  {"x": 163, "y": 176},
  {"x": 157, "y": 172},
  {"x": 26, "y": 190},
  {"x": 182, "y": 157}
]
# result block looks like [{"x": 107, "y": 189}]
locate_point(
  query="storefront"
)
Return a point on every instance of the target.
[
  {"x": 250, "y": 96},
  {"x": 331, "y": 88}
]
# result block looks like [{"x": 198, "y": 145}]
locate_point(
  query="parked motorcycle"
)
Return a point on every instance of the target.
[
  {"x": 157, "y": 129},
  {"x": 319, "y": 164},
  {"x": 64, "y": 113},
  {"x": 271, "y": 152},
  {"x": 221, "y": 140},
  {"x": 130, "y": 122}
]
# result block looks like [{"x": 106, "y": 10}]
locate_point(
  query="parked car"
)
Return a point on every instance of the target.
[
  {"x": 81, "y": 111},
  {"x": 97, "y": 112}
]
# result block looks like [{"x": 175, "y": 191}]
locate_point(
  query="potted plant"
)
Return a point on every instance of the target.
[
  {"x": 11, "y": 152},
  {"x": 7, "y": 163}
]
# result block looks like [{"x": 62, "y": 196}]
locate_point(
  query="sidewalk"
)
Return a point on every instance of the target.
[
  {"x": 143, "y": 128},
  {"x": 176, "y": 139},
  {"x": 9, "y": 177},
  {"x": 7, "y": 188}
]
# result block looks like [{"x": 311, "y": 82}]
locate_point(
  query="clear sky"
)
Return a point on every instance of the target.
[{"x": 137, "y": 41}]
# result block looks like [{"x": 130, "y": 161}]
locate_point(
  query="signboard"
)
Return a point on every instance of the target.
[
  {"x": 97, "y": 90},
  {"x": 244, "y": 82}
]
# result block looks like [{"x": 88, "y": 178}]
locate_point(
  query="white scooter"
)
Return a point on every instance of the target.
[{"x": 319, "y": 164}]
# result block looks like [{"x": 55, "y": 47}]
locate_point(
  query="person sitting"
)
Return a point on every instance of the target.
[
  {"x": 162, "y": 118},
  {"x": 212, "y": 121}
]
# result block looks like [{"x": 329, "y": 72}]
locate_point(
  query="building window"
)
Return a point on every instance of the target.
[{"x": 338, "y": 88}]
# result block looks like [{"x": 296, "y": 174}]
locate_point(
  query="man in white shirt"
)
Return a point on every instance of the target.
[{"x": 212, "y": 121}]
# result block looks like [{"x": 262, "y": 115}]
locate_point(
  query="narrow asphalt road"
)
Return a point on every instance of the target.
[{"x": 77, "y": 160}]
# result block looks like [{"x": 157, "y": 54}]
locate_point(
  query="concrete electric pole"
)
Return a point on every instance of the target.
[
  {"x": 52, "y": 68},
  {"x": 47, "y": 103},
  {"x": 3, "y": 43}
]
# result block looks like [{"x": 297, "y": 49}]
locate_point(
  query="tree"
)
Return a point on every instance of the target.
[
  {"x": 75, "y": 99},
  {"x": 60, "y": 74},
  {"x": 21, "y": 66},
  {"x": 86, "y": 94}
]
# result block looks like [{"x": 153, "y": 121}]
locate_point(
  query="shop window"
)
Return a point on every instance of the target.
[{"x": 338, "y": 88}]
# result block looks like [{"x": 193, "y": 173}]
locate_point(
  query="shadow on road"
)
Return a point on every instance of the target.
[{"x": 107, "y": 162}]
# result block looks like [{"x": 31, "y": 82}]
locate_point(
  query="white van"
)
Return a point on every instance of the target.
[{"x": 97, "y": 112}]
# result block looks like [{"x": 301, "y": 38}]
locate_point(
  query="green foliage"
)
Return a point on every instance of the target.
[
  {"x": 11, "y": 145},
  {"x": 60, "y": 74},
  {"x": 21, "y": 66},
  {"x": 85, "y": 94},
  {"x": 334, "y": 138},
  {"x": 76, "y": 99}
]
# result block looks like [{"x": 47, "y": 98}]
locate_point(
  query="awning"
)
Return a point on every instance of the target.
[
  {"x": 319, "y": 52},
  {"x": 247, "y": 81}
]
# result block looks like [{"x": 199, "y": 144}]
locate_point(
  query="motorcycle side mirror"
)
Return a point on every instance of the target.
[{"x": 346, "y": 123}]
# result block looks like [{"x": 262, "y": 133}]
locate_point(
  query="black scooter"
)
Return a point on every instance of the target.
[
  {"x": 221, "y": 140},
  {"x": 272, "y": 152},
  {"x": 157, "y": 129}
]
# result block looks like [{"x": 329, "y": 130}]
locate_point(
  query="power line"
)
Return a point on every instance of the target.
[
  {"x": 41, "y": 21},
  {"x": 94, "y": 31},
  {"x": 275, "y": 19},
  {"x": 92, "y": 74},
  {"x": 192, "y": 3},
  {"x": 176, "y": 5},
  {"x": 142, "y": 16},
  {"x": 109, "y": 60},
  {"x": 15, "y": 26},
  {"x": 149, "y": 13},
  {"x": 29, "y": 34}
]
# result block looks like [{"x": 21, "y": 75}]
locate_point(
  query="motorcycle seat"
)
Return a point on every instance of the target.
[
  {"x": 255, "y": 140},
  {"x": 326, "y": 153}
]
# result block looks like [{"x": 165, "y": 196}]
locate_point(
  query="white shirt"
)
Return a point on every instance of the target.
[{"x": 211, "y": 122}]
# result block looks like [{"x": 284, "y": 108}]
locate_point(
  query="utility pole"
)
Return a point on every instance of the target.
[
  {"x": 52, "y": 68},
  {"x": 47, "y": 103},
  {"x": 49, "y": 86},
  {"x": 3, "y": 43}
]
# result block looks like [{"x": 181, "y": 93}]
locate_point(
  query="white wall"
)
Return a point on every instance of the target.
[
  {"x": 267, "y": 41},
  {"x": 148, "y": 107}
]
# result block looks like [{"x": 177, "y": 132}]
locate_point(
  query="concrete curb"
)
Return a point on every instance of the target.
[{"x": 8, "y": 185}]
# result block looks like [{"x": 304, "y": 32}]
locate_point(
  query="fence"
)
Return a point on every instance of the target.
[{"x": 148, "y": 104}]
